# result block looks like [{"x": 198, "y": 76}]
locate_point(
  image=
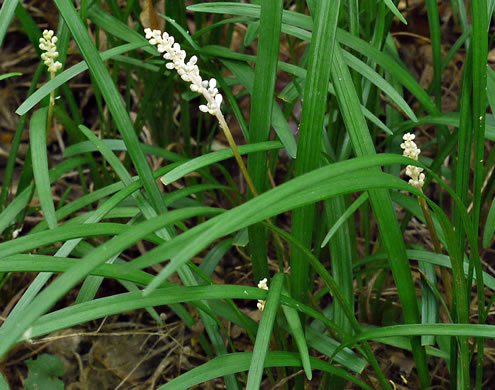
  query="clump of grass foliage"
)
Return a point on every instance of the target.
[{"x": 323, "y": 220}]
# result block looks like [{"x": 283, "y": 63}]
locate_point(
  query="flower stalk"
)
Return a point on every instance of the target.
[
  {"x": 417, "y": 180},
  {"x": 189, "y": 72}
]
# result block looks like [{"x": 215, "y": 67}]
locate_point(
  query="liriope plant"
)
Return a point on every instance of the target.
[{"x": 315, "y": 318}]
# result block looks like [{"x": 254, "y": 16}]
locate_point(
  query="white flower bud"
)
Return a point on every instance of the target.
[
  {"x": 48, "y": 45},
  {"x": 189, "y": 72},
  {"x": 264, "y": 286},
  {"x": 218, "y": 100}
]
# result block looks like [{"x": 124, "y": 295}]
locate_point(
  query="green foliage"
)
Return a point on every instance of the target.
[
  {"x": 330, "y": 223},
  {"x": 7, "y": 75},
  {"x": 42, "y": 372},
  {"x": 3, "y": 383}
]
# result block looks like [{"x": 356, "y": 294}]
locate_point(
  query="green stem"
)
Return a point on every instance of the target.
[
  {"x": 237, "y": 155},
  {"x": 50, "y": 108},
  {"x": 447, "y": 279}
]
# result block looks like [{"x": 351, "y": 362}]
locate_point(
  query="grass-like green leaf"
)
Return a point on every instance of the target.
[
  {"x": 3, "y": 383},
  {"x": 214, "y": 157},
  {"x": 263, "y": 89},
  {"x": 467, "y": 330},
  {"x": 489, "y": 231},
  {"x": 310, "y": 133},
  {"x": 38, "y": 136},
  {"x": 63, "y": 233},
  {"x": 391, "y": 6},
  {"x": 119, "y": 145},
  {"x": 245, "y": 74},
  {"x": 8, "y": 75},
  {"x": 112, "y": 97},
  {"x": 382, "y": 205},
  {"x": 310, "y": 187},
  {"x": 296, "y": 328},
  {"x": 350, "y": 210},
  {"x": 305, "y": 23},
  {"x": 16, "y": 142},
  {"x": 238, "y": 362},
  {"x": 327, "y": 346},
  {"x": 7, "y": 216},
  {"x": 6, "y": 15},
  {"x": 265, "y": 333},
  {"x": 69, "y": 74},
  {"x": 51, "y": 294}
]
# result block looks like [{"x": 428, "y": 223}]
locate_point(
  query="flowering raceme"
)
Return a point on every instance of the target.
[
  {"x": 189, "y": 71},
  {"x": 48, "y": 44},
  {"x": 412, "y": 151}
]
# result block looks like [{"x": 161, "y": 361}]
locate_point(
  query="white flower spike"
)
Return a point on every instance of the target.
[
  {"x": 189, "y": 71},
  {"x": 412, "y": 151},
  {"x": 263, "y": 284},
  {"x": 48, "y": 44}
]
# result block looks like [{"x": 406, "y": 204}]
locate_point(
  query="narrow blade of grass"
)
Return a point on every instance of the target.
[
  {"x": 265, "y": 333},
  {"x": 265, "y": 75},
  {"x": 113, "y": 99},
  {"x": 245, "y": 75},
  {"x": 8, "y": 75},
  {"x": 429, "y": 304},
  {"x": 214, "y": 157},
  {"x": 391, "y": 6},
  {"x": 14, "y": 147},
  {"x": 238, "y": 362},
  {"x": 69, "y": 74},
  {"x": 479, "y": 43},
  {"x": 345, "y": 215},
  {"x": 6, "y": 15},
  {"x": 38, "y": 135},
  {"x": 382, "y": 206},
  {"x": 297, "y": 332},
  {"x": 310, "y": 132},
  {"x": 8, "y": 216},
  {"x": 489, "y": 231},
  {"x": 462, "y": 183},
  {"x": 11, "y": 331}
]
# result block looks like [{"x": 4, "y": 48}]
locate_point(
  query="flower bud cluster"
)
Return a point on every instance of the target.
[
  {"x": 263, "y": 284},
  {"x": 48, "y": 44},
  {"x": 412, "y": 151},
  {"x": 187, "y": 71}
]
